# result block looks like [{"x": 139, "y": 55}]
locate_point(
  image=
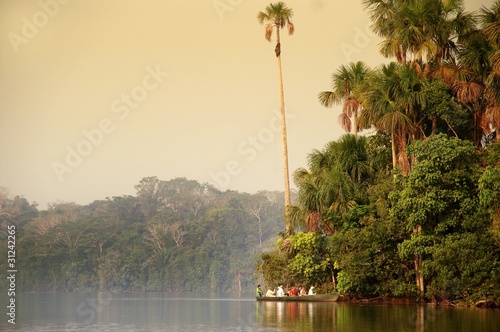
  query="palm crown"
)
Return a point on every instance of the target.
[{"x": 277, "y": 15}]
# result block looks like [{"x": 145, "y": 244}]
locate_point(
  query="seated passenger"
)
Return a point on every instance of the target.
[
  {"x": 270, "y": 293},
  {"x": 280, "y": 292}
]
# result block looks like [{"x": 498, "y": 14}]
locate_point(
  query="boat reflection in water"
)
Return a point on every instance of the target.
[
  {"x": 295, "y": 314},
  {"x": 296, "y": 311}
]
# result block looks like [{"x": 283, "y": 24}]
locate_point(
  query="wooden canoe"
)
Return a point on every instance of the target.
[{"x": 307, "y": 298}]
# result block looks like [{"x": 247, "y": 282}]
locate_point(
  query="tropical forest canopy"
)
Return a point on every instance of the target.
[{"x": 176, "y": 235}]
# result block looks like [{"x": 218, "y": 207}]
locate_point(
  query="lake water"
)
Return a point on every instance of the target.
[{"x": 106, "y": 311}]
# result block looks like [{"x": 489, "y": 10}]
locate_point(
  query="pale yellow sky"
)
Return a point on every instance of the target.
[{"x": 97, "y": 94}]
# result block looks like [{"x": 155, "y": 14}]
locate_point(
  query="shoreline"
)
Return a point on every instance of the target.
[{"x": 485, "y": 303}]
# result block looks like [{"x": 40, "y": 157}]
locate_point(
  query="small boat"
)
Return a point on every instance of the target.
[{"x": 306, "y": 298}]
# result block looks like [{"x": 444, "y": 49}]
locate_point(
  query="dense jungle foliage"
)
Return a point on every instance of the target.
[
  {"x": 174, "y": 235},
  {"x": 370, "y": 232},
  {"x": 413, "y": 210}
]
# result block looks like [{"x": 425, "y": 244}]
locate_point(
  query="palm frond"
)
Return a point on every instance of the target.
[
  {"x": 345, "y": 122},
  {"x": 276, "y": 15},
  {"x": 468, "y": 92},
  {"x": 328, "y": 98},
  {"x": 268, "y": 32}
]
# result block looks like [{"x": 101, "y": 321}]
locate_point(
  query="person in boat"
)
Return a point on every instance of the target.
[
  {"x": 302, "y": 291},
  {"x": 280, "y": 292},
  {"x": 294, "y": 291},
  {"x": 259, "y": 291},
  {"x": 270, "y": 293},
  {"x": 311, "y": 291}
]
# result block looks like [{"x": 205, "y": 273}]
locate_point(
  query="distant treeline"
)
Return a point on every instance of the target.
[{"x": 176, "y": 235}]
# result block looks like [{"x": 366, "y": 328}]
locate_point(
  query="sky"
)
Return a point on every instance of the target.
[{"x": 96, "y": 95}]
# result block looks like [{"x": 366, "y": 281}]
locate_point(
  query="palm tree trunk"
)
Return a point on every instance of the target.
[
  {"x": 355, "y": 123},
  {"x": 288, "y": 201},
  {"x": 418, "y": 276},
  {"x": 393, "y": 150},
  {"x": 418, "y": 267},
  {"x": 434, "y": 124}
]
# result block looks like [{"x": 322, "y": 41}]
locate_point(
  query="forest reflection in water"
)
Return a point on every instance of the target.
[
  {"x": 347, "y": 317},
  {"x": 106, "y": 311}
]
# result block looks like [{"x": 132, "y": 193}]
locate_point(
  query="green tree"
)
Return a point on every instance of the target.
[
  {"x": 436, "y": 198},
  {"x": 335, "y": 184},
  {"x": 419, "y": 31},
  {"x": 310, "y": 264},
  {"x": 277, "y": 16},
  {"x": 150, "y": 192},
  {"x": 344, "y": 82},
  {"x": 15, "y": 211},
  {"x": 365, "y": 257},
  {"x": 442, "y": 111},
  {"x": 391, "y": 98},
  {"x": 490, "y": 27},
  {"x": 489, "y": 188}
]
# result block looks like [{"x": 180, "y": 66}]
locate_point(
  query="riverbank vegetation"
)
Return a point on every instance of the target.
[
  {"x": 370, "y": 232},
  {"x": 411, "y": 210}
]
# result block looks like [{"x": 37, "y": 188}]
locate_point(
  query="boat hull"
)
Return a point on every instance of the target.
[{"x": 306, "y": 298}]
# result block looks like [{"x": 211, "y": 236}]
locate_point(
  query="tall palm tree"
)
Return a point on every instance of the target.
[
  {"x": 335, "y": 183},
  {"x": 423, "y": 31},
  {"x": 474, "y": 86},
  {"x": 276, "y": 17},
  {"x": 391, "y": 98},
  {"x": 383, "y": 15},
  {"x": 490, "y": 20},
  {"x": 344, "y": 82}
]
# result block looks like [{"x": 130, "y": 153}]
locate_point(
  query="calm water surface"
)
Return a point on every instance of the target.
[{"x": 107, "y": 311}]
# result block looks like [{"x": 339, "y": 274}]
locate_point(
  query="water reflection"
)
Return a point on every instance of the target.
[
  {"x": 350, "y": 317},
  {"x": 420, "y": 319},
  {"x": 295, "y": 314},
  {"x": 215, "y": 312}
]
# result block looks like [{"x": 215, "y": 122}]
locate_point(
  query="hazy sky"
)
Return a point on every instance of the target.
[{"x": 97, "y": 94}]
